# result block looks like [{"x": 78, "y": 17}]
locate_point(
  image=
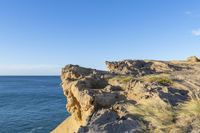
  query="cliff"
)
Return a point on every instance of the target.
[{"x": 133, "y": 96}]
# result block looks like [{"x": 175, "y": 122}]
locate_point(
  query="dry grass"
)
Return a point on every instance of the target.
[
  {"x": 161, "y": 115},
  {"x": 162, "y": 79},
  {"x": 188, "y": 115},
  {"x": 190, "y": 109},
  {"x": 123, "y": 79},
  {"x": 155, "y": 111}
]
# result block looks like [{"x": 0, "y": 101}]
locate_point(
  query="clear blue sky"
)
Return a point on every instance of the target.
[{"x": 41, "y": 36}]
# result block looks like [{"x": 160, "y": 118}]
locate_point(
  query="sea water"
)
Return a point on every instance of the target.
[{"x": 31, "y": 104}]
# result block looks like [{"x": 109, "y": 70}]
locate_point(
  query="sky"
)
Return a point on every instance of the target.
[{"x": 39, "y": 37}]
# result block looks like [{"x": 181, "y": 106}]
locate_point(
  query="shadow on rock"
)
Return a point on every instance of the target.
[{"x": 174, "y": 96}]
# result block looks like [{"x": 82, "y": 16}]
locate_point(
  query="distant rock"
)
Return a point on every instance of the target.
[{"x": 193, "y": 59}]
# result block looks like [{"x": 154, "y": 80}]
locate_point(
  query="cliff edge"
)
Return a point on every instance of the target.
[{"x": 133, "y": 96}]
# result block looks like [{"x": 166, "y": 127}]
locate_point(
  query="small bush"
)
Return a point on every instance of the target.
[{"x": 162, "y": 79}]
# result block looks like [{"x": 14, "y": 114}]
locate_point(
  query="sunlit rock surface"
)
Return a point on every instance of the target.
[{"x": 133, "y": 96}]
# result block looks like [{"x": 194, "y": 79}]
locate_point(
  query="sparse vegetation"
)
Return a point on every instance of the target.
[
  {"x": 190, "y": 109},
  {"x": 188, "y": 115},
  {"x": 155, "y": 111},
  {"x": 162, "y": 79},
  {"x": 161, "y": 115},
  {"x": 123, "y": 79}
]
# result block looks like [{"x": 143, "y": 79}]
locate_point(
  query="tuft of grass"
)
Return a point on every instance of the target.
[
  {"x": 188, "y": 115},
  {"x": 162, "y": 79},
  {"x": 123, "y": 79},
  {"x": 155, "y": 111},
  {"x": 190, "y": 109}
]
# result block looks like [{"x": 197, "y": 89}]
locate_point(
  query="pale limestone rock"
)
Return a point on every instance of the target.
[
  {"x": 108, "y": 121},
  {"x": 139, "y": 67},
  {"x": 100, "y": 101}
]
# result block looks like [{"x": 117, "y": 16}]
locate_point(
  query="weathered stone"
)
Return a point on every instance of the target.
[
  {"x": 107, "y": 121},
  {"x": 102, "y": 101}
]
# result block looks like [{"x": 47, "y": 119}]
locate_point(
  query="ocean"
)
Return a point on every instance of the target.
[{"x": 31, "y": 104}]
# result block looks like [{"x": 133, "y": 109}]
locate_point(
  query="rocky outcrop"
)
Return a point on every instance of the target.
[
  {"x": 139, "y": 67},
  {"x": 193, "y": 59},
  {"x": 132, "y": 96}
]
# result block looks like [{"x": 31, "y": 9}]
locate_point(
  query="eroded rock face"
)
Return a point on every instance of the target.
[
  {"x": 139, "y": 67},
  {"x": 79, "y": 86},
  {"x": 111, "y": 101},
  {"x": 108, "y": 121}
]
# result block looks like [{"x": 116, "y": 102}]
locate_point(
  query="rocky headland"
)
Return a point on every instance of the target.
[{"x": 133, "y": 96}]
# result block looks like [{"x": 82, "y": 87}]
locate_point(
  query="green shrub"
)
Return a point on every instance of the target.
[{"x": 162, "y": 79}]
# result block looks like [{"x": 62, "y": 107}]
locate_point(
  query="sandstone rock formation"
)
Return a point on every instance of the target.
[{"x": 133, "y": 96}]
